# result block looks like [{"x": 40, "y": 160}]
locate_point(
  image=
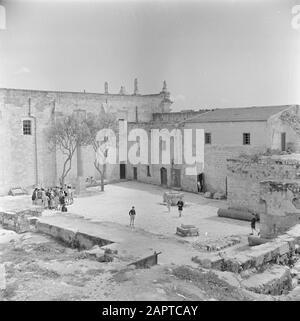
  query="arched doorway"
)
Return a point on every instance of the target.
[{"x": 163, "y": 176}]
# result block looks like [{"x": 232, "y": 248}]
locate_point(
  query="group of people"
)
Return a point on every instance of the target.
[{"x": 54, "y": 198}]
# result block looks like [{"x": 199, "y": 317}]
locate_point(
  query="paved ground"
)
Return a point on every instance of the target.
[{"x": 152, "y": 215}]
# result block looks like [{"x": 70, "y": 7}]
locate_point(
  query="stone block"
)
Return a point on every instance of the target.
[
  {"x": 95, "y": 252},
  {"x": 208, "y": 195},
  {"x": 284, "y": 248},
  {"x": 173, "y": 196},
  {"x": 15, "y": 221},
  {"x": 272, "y": 281},
  {"x": 191, "y": 231},
  {"x": 216, "y": 262},
  {"x": 32, "y": 220},
  {"x": 203, "y": 262},
  {"x": 256, "y": 240},
  {"x": 219, "y": 196}
]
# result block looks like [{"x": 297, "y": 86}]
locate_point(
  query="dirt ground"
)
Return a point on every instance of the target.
[{"x": 39, "y": 268}]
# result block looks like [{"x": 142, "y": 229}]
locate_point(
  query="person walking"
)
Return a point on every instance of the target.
[
  {"x": 180, "y": 207},
  {"x": 132, "y": 214},
  {"x": 169, "y": 205},
  {"x": 34, "y": 196},
  {"x": 253, "y": 223}
]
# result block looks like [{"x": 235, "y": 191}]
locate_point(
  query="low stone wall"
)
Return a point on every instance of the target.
[
  {"x": 20, "y": 220},
  {"x": 276, "y": 251},
  {"x": 71, "y": 237},
  {"x": 274, "y": 282},
  {"x": 14, "y": 221}
]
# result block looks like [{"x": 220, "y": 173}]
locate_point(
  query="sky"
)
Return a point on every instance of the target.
[{"x": 212, "y": 53}]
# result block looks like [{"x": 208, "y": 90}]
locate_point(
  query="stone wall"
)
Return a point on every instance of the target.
[
  {"x": 287, "y": 122},
  {"x": 245, "y": 174},
  {"x": 215, "y": 157},
  {"x": 281, "y": 200},
  {"x": 25, "y": 162}
]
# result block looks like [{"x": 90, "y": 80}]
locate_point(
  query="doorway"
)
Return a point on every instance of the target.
[
  {"x": 135, "y": 173},
  {"x": 122, "y": 171},
  {"x": 163, "y": 176},
  {"x": 283, "y": 142}
]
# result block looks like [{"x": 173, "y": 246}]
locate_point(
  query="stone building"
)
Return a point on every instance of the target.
[
  {"x": 229, "y": 133},
  {"x": 25, "y": 158}
]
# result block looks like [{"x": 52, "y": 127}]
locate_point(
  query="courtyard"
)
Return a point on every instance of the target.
[{"x": 114, "y": 203}]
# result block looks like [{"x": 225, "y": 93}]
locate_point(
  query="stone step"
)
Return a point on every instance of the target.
[
  {"x": 276, "y": 280},
  {"x": 277, "y": 251}
]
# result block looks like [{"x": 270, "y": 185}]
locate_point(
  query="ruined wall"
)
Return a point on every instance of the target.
[
  {"x": 281, "y": 200},
  {"x": 18, "y": 161},
  {"x": 245, "y": 174}
]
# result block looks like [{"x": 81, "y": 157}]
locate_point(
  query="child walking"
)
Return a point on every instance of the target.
[{"x": 132, "y": 214}]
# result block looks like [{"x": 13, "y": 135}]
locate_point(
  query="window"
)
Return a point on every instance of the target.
[
  {"x": 207, "y": 138},
  {"x": 246, "y": 138},
  {"x": 26, "y": 127},
  {"x": 148, "y": 171}
]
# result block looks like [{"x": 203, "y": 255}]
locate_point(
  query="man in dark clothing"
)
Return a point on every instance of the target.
[
  {"x": 62, "y": 199},
  {"x": 132, "y": 214},
  {"x": 64, "y": 208},
  {"x": 180, "y": 207},
  {"x": 254, "y": 219},
  {"x": 34, "y": 196}
]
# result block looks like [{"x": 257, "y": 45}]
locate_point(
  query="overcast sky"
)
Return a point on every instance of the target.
[{"x": 212, "y": 53}]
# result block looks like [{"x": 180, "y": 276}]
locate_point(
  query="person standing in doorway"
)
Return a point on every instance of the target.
[
  {"x": 132, "y": 214},
  {"x": 180, "y": 207},
  {"x": 200, "y": 183}
]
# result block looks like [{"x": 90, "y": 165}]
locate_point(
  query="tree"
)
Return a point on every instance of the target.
[
  {"x": 66, "y": 134},
  {"x": 95, "y": 123}
]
